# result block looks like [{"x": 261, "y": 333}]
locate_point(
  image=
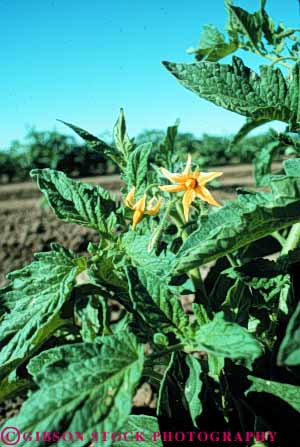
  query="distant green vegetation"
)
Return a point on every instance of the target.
[
  {"x": 58, "y": 151},
  {"x": 49, "y": 149}
]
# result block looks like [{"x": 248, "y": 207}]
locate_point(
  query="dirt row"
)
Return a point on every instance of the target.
[
  {"x": 31, "y": 230},
  {"x": 233, "y": 176}
]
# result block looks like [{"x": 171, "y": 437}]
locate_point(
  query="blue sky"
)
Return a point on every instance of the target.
[{"x": 82, "y": 61}]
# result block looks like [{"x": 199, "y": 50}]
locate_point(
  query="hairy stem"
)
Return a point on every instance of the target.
[
  {"x": 279, "y": 238},
  {"x": 194, "y": 273},
  {"x": 292, "y": 239},
  {"x": 157, "y": 233},
  {"x": 167, "y": 350},
  {"x": 274, "y": 59},
  {"x": 231, "y": 260},
  {"x": 150, "y": 187}
]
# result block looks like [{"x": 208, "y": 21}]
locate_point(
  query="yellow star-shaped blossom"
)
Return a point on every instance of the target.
[
  {"x": 140, "y": 208},
  {"x": 193, "y": 185}
]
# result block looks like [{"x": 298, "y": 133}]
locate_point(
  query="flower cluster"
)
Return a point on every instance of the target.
[
  {"x": 140, "y": 208},
  {"x": 191, "y": 183}
]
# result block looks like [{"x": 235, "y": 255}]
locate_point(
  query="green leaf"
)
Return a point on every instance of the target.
[
  {"x": 237, "y": 303},
  {"x": 76, "y": 202},
  {"x": 248, "y": 25},
  {"x": 137, "y": 169},
  {"x": 166, "y": 151},
  {"x": 250, "y": 217},
  {"x": 263, "y": 162},
  {"x": 290, "y": 142},
  {"x": 160, "y": 339},
  {"x": 273, "y": 36},
  {"x": 83, "y": 388},
  {"x": 136, "y": 248},
  {"x": 148, "y": 425},
  {"x": 226, "y": 339},
  {"x": 289, "y": 351},
  {"x": 155, "y": 303},
  {"x": 293, "y": 98},
  {"x": 288, "y": 393},
  {"x": 12, "y": 386},
  {"x": 250, "y": 29},
  {"x": 34, "y": 298},
  {"x": 292, "y": 167},
  {"x": 105, "y": 266},
  {"x": 171, "y": 397},
  {"x": 213, "y": 46},
  {"x": 163, "y": 403},
  {"x": 263, "y": 275},
  {"x": 106, "y": 263},
  {"x": 91, "y": 313},
  {"x": 123, "y": 143},
  {"x": 250, "y": 125},
  {"x": 193, "y": 387},
  {"x": 216, "y": 365},
  {"x": 267, "y": 96},
  {"x": 96, "y": 144},
  {"x": 200, "y": 314}
]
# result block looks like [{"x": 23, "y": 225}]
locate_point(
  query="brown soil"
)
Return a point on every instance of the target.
[
  {"x": 30, "y": 230},
  {"x": 27, "y": 227}
]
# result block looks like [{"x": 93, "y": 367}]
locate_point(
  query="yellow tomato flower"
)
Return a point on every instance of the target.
[
  {"x": 193, "y": 183},
  {"x": 140, "y": 208}
]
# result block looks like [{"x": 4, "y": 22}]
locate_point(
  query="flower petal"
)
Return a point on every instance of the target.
[
  {"x": 205, "y": 177},
  {"x": 153, "y": 210},
  {"x": 205, "y": 195},
  {"x": 137, "y": 217},
  {"x": 140, "y": 204},
  {"x": 150, "y": 204},
  {"x": 179, "y": 178},
  {"x": 129, "y": 198},
  {"x": 188, "y": 165},
  {"x": 188, "y": 197},
  {"x": 172, "y": 188}
]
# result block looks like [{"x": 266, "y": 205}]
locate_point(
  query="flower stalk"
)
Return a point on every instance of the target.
[
  {"x": 292, "y": 240},
  {"x": 158, "y": 231}
]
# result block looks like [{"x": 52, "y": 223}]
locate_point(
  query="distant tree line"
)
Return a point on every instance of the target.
[{"x": 52, "y": 149}]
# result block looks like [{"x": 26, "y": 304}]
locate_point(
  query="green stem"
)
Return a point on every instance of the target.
[
  {"x": 231, "y": 260},
  {"x": 274, "y": 59},
  {"x": 276, "y": 235},
  {"x": 176, "y": 221},
  {"x": 150, "y": 186},
  {"x": 152, "y": 374},
  {"x": 157, "y": 233},
  {"x": 179, "y": 210},
  {"x": 292, "y": 239},
  {"x": 167, "y": 350},
  {"x": 196, "y": 277},
  {"x": 279, "y": 60},
  {"x": 194, "y": 273}
]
